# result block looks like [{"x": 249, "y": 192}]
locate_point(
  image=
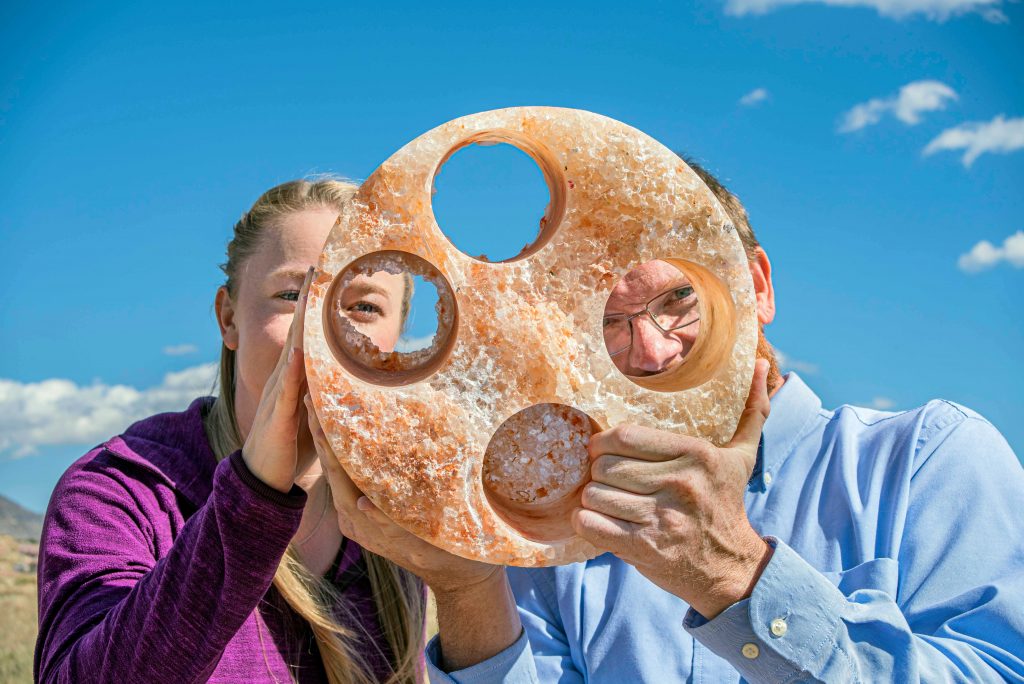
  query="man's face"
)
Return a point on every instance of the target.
[{"x": 653, "y": 342}]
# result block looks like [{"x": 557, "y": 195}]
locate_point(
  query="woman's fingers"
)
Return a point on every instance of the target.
[
  {"x": 299, "y": 320},
  {"x": 292, "y": 379},
  {"x": 272, "y": 449}
]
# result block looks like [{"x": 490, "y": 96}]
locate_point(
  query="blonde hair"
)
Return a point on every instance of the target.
[{"x": 397, "y": 594}]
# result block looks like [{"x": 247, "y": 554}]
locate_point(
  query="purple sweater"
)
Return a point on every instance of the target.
[{"x": 156, "y": 563}]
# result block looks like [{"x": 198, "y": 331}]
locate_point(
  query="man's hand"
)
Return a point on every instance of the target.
[{"x": 672, "y": 506}]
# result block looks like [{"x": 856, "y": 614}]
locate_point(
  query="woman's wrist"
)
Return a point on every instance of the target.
[
  {"x": 274, "y": 480},
  {"x": 264, "y": 486}
]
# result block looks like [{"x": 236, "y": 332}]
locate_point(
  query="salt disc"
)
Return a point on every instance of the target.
[{"x": 477, "y": 443}]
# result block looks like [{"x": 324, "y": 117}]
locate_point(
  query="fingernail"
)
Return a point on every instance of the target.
[
  {"x": 364, "y": 504},
  {"x": 291, "y": 354}
]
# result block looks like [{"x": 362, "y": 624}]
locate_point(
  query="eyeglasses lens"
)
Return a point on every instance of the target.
[
  {"x": 675, "y": 309},
  {"x": 671, "y": 310}
]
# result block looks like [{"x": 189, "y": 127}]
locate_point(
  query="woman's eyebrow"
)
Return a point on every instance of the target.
[
  {"x": 359, "y": 288},
  {"x": 289, "y": 274}
]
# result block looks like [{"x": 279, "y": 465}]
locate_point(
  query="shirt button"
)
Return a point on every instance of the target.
[
  {"x": 778, "y": 627},
  {"x": 767, "y": 478},
  {"x": 750, "y": 651}
]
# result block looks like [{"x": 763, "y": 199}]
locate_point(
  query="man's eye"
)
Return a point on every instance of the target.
[
  {"x": 681, "y": 292},
  {"x": 289, "y": 295}
]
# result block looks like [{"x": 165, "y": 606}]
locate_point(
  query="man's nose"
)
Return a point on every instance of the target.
[{"x": 653, "y": 350}]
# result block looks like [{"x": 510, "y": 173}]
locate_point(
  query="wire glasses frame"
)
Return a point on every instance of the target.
[{"x": 671, "y": 310}]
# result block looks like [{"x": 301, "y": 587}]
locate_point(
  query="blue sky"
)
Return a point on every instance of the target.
[{"x": 131, "y": 138}]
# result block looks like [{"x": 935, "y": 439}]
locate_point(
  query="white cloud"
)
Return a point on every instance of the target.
[
  {"x": 58, "y": 411},
  {"x": 411, "y": 344},
  {"x": 180, "y": 349},
  {"x": 986, "y": 255},
  {"x": 936, "y": 10},
  {"x": 907, "y": 105},
  {"x": 978, "y": 137},
  {"x": 787, "y": 364},
  {"x": 753, "y": 97},
  {"x": 882, "y": 403}
]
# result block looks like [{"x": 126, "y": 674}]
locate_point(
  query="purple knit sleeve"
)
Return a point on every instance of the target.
[{"x": 109, "y": 611}]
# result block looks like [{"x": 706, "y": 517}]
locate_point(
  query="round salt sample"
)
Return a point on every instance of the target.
[{"x": 451, "y": 441}]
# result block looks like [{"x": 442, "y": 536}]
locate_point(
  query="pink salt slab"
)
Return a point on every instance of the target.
[{"x": 412, "y": 430}]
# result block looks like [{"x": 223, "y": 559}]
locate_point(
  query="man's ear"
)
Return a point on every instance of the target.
[
  {"x": 764, "y": 291},
  {"x": 225, "y": 309}
]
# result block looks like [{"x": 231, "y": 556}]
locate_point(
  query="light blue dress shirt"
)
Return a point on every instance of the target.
[{"x": 899, "y": 557}]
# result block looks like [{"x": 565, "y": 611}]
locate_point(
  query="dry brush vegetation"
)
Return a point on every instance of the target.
[{"x": 17, "y": 609}]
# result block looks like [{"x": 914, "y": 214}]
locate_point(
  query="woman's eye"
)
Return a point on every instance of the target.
[
  {"x": 365, "y": 311},
  {"x": 289, "y": 295}
]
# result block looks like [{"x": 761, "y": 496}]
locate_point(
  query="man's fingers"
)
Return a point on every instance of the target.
[
  {"x": 641, "y": 442},
  {"x": 603, "y": 531},
  {"x": 617, "y": 503},
  {"x": 748, "y": 430},
  {"x": 630, "y": 474}
]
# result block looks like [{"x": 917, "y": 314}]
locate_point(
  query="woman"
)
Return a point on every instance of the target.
[{"x": 194, "y": 546}]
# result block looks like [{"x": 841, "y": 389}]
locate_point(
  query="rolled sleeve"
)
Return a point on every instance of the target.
[
  {"x": 514, "y": 665},
  {"x": 786, "y": 628}
]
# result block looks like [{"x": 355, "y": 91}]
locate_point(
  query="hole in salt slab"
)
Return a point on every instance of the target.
[
  {"x": 390, "y": 318},
  {"x": 669, "y": 324},
  {"x": 651, "y": 319},
  {"x": 492, "y": 200},
  {"x": 535, "y": 466},
  {"x": 420, "y": 325}
]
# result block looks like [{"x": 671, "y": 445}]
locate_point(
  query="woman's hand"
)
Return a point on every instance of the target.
[
  {"x": 476, "y": 613},
  {"x": 271, "y": 448},
  {"x": 369, "y": 527}
]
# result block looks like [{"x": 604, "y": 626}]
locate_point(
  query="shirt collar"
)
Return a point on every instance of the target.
[{"x": 793, "y": 408}]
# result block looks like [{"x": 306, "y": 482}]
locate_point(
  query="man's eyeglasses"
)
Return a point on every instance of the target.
[{"x": 671, "y": 310}]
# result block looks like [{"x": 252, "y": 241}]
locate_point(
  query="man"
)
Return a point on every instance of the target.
[{"x": 843, "y": 546}]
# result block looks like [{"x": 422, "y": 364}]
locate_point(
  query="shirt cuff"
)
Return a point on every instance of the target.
[
  {"x": 787, "y": 626},
  {"x": 296, "y": 498},
  {"x": 514, "y": 665}
]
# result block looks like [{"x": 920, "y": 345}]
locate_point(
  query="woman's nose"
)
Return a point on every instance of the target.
[{"x": 653, "y": 350}]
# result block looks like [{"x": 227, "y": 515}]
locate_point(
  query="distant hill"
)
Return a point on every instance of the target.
[{"x": 19, "y": 522}]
